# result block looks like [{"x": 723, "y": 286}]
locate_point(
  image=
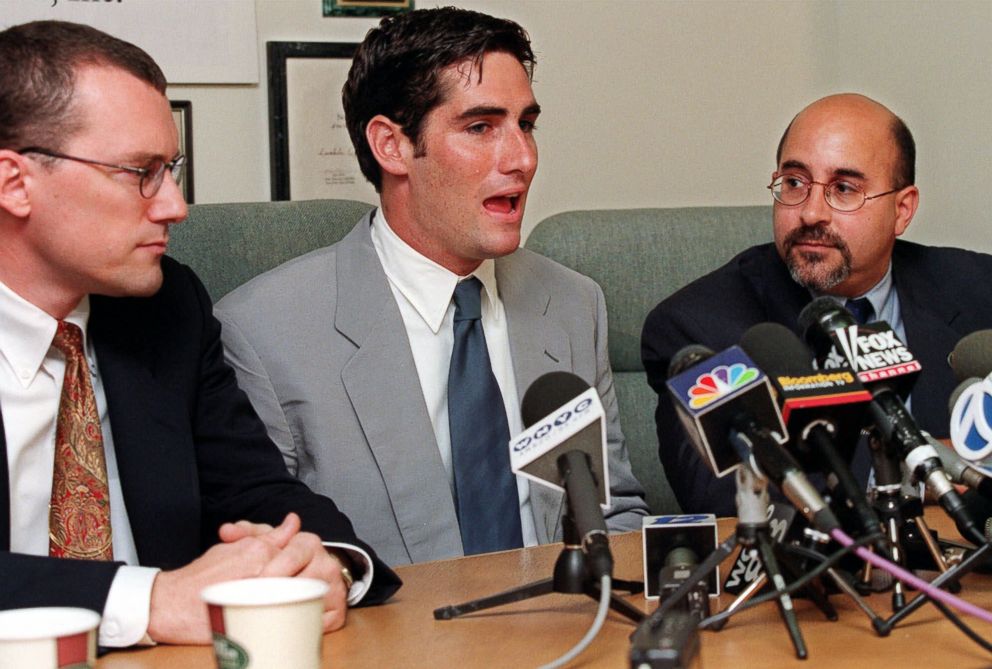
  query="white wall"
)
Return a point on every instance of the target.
[{"x": 651, "y": 103}]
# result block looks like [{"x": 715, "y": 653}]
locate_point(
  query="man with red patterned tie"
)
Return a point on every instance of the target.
[{"x": 133, "y": 471}]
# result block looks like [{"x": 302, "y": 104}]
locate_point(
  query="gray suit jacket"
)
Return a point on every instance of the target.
[{"x": 320, "y": 347}]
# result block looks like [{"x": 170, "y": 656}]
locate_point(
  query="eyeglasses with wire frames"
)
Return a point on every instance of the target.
[
  {"x": 844, "y": 196},
  {"x": 151, "y": 176}
]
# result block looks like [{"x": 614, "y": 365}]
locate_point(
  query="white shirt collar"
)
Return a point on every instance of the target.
[
  {"x": 26, "y": 332},
  {"x": 425, "y": 284}
]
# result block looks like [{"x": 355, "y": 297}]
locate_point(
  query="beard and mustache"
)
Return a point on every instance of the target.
[{"x": 812, "y": 269}]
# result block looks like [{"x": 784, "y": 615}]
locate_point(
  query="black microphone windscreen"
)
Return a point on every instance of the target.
[
  {"x": 825, "y": 311},
  {"x": 686, "y": 357},
  {"x": 972, "y": 357},
  {"x": 550, "y": 392},
  {"x": 777, "y": 350}
]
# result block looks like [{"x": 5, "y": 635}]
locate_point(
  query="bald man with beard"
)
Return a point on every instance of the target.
[{"x": 843, "y": 192}]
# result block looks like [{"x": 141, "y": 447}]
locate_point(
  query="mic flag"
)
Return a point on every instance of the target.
[
  {"x": 578, "y": 424},
  {"x": 747, "y": 567},
  {"x": 874, "y": 352},
  {"x": 712, "y": 394},
  {"x": 833, "y": 398},
  {"x": 971, "y": 421},
  {"x": 665, "y": 536}
]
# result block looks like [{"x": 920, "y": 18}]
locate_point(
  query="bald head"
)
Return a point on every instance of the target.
[{"x": 851, "y": 108}]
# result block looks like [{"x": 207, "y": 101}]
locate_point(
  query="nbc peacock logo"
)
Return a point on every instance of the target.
[{"x": 720, "y": 381}]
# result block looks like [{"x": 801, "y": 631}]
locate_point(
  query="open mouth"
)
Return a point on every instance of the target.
[{"x": 502, "y": 204}]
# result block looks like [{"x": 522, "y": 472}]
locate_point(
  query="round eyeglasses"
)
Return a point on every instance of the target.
[
  {"x": 151, "y": 176},
  {"x": 792, "y": 190}
]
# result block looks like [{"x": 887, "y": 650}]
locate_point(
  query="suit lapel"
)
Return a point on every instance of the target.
[
  {"x": 395, "y": 423},
  {"x": 538, "y": 345},
  {"x": 927, "y": 318},
  {"x": 144, "y": 425},
  {"x": 149, "y": 424}
]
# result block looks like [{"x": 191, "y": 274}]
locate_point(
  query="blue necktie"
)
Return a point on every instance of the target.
[
  {"x": 861, "y": 309},
  {"x": 485, "y": 489}
]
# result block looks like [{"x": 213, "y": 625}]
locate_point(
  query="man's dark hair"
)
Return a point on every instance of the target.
[
  {"x": 38, "y": 65},
  {"x": 904, "y": 171},
  {"x": 397, "y": 69}
]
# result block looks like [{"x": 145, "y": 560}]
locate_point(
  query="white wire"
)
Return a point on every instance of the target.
[{"x": 605, "y": 588}]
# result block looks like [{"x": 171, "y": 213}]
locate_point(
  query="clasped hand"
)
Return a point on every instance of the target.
[{"x": 179, "y": 616}]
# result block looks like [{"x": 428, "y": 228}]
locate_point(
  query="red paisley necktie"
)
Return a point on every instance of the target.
[{"x": 79, "y": 520}]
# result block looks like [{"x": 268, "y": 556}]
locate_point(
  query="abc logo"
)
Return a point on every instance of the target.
[
  {"x": 539, "y": 432},
  {"x": 971, "y": 422}
]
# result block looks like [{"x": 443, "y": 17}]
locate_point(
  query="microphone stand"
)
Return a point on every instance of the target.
[
  {"x": 950, "y": 577},
  {"x": 752, "y": 533},
  {"x": 901, "y": 516},
  {"x": 571, "y": 576},
  {"x": 809, "y": 550}
]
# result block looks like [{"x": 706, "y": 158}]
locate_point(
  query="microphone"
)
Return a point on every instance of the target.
[
  {"x": 971, "y": 420},
  {"x": 672, "y": 644},
  {"x": 672, "y": 546},
  {"x": 873, "y": 351},
  {"x": 564, "y": 447},
  {"x": 710, "y": 390},
  {"x": 726, "y": 404},
  {"x": 821, "y": 410},
  {"x": 885, "y": 366},
  {"x": 669, "y": 543},
  {"x": 972, "y": 356},
  {"x": 678, "y": 566},
  {"x": 961, "y": 471}
]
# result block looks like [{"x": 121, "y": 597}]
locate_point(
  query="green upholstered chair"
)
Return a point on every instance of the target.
[
  {"x": 639, "y": 257},
  {"x": 227, "y": 244}
]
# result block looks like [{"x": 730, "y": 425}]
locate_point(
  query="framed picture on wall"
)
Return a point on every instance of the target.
[
  {"x": 310, "y": 151},
  {"x": 182, "y": 114},
  {"x": 365, "y": 7}
]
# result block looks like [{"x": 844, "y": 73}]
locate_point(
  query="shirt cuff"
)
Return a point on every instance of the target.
[
  {"x": 125, "y": 615},
  {"x": 359, "y": 557}
]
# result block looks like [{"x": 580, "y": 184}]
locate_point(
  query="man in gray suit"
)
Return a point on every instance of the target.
[{"x": 373, "y": 361}]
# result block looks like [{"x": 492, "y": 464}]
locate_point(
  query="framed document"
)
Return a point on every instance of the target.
[
  {"x": 365, "y": 7},
  {"x": 182, "y": 114},
  {"x": 311, "y": 155}
]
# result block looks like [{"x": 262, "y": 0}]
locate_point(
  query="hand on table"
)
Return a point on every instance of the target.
[{"x": 179, "y": 616}]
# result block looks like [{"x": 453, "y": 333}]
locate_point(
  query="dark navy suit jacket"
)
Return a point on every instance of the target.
[
  {"x": 190, "y": 450},
  {"x": 943, "y": 295}
]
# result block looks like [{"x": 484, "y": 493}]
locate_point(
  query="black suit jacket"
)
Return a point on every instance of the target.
[
  {"x": 942, "y": 297},
  {"x": 190, "y": 450}
]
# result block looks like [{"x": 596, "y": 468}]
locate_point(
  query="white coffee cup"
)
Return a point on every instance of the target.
[
  {"x": 48, "y": 638},
  {"x": 267, "y": 623}
]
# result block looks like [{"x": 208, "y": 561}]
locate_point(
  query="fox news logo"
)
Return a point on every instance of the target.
[{"x": 872, "y": 355}]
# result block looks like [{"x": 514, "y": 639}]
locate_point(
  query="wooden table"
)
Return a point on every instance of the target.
[{"x": 403, "y": 633}]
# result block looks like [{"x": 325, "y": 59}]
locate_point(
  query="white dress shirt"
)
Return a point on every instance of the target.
[
  {"x": 423, "y": 291},
  {"x": 31, "y": 375}
]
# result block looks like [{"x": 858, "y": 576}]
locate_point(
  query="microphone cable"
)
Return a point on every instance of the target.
[
  {"x": 909, "y": 578},
  {"x": 605, "y": 589},
  {"x": 820, "y": 569}
]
